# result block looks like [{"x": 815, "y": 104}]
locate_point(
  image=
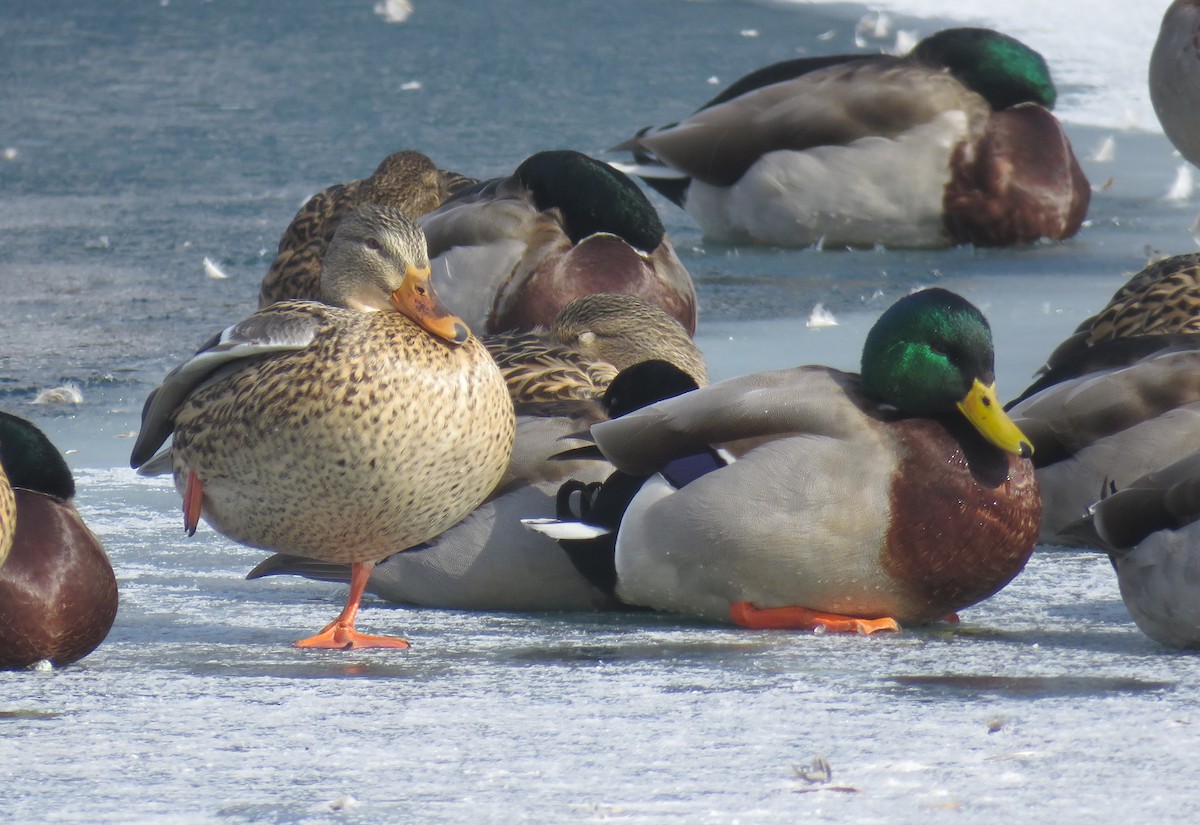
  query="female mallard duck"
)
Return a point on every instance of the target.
[
  {"x": 951, "y": 144},
  {"x": 1120, "y": 397},
  {"x": 592, "y": 339},
  {"x": 510, "y": 253},
  {"x": 342, "y": 430},
  {"x": 832, "y": 499},
  {"x": 1151, "y": 532},
  {"x": 1175, "y": 78},
  {"x": 488, "y": 561},
  {"x": 58, "y": 594},
  {"x": 407, "y": 180}
]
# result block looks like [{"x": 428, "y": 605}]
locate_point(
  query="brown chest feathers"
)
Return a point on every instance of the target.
[{"x": 965, "y": 516}]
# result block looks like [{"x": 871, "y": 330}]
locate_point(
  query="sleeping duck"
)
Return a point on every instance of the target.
[
  {"x": 1175, "y": 78},
  {"x": 488, "y": 561},
  {"x": 407, "y": 180},
  {"x": 853, "y": 502},
  {"x": 953, "y": 143},
  {"x": 1120, "y": 397},
  {"x": 58, "y": 594},
  {"x": 338, "y": 430},
  {"x": 1149, "y": 529},
  {"x": 510, "y": 253}
]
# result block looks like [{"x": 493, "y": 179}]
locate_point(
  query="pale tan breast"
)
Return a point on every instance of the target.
[{"x": 374, "y": 438}]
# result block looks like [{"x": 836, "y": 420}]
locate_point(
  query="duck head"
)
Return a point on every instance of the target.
[
  {"x": 931, "y": 355},
  {"x": 378, "y": 261}
]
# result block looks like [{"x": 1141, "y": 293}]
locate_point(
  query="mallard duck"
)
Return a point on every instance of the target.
[
  {"x": 825, "y": 498},
  {"x": 406, "y": 180},
  {"x": 1118, "y": 398},
  {"x": 592, "y": 339},
  {"x": 510, "y": 253},
  {"x": 488, "y": 561},
  {"x": 58, "y": 594},
  {"x": 339, "y": 430},
  {"x": 953, "y": 143},
  {"x": 1175, "y": 78},
  {"x": 1151, "y": 532}
]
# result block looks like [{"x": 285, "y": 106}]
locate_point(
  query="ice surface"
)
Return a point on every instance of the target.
[{"x": 190, "y": 130}]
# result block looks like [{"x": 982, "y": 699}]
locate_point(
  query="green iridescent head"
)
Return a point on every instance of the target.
[
  {"x": 1001, "y": 68},
  {"x": 930, "y": 354}
]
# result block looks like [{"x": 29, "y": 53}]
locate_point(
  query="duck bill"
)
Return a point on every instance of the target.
[
  {"x": 416, "y": 299},
  {"x": 982, "y": 408}
]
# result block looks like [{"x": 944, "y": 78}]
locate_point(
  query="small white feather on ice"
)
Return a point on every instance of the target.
[
  {"x": 1181, "y": 189},
  {"x": 820, "y": 317},
  {"x": 213, "y": 271},
  {"x": 66, "y": 394},
  {"x": 393, "y": 11}
]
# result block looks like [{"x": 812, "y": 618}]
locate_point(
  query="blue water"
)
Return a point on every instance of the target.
[{"x": 140, "y": 138}]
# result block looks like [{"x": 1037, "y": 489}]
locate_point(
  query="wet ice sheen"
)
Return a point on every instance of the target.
[{"x": 187, "y": 131}]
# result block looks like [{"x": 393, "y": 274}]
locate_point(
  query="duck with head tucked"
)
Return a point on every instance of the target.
[
  {"x": 406, "y": 180},
  {"x": 339, "y": 430},
  {"x": 58, "y": 593},
  {"x": 1119, "y": 398},
  {"x": 511, "y": 252},
  {"x": 488, "y": 561},
  {"x": 1151, "y": 532},
  {"x": 1175, "y": 77},
  {"x": 811, "y": 497},
  {"x": 953, "y": 143}
]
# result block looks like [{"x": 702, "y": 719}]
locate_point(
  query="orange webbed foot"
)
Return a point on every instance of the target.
[
  {"x": 801, "y": 618},
  {"x": 340, "y": 636}
]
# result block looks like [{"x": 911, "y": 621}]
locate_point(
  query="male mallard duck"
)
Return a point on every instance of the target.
[
  {"x": 1151, "y": 532},
  {"x": 951, "y": 144},
  {"x": 488, "y": 561},
  {"x": 1120, "y": 397},
  {"x": 509, "y": 253},
  {"x": 407, "y": 180},
  {"x": 1175, "y": 78},
  {"x": 839, "y": 500},
  {"x": 58, "y": 594},
  {"x": 341, "y": 430}
]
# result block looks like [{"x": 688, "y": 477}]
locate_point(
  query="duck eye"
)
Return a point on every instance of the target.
[{"x": 373, "y": 244}]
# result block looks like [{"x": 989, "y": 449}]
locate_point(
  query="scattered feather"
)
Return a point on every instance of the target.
[
  {"x": 713, "y": 80},
  {"x": 749, "y": 32},
  {"x": 66, "y": 394},
  {"x": 905, "y": 41},
  {"x": 213, "y": 271},
  {"x": 11, "y": 153},
  {"x": 98, "y": 243},
  {"x": 876, "y": 26},
  {"x": 394, "y": 11},
  {"x": 410, "y": 86},
  {"x": 564, "y": 530},
  {"x": 827, "y": 35},
  {"x": 818, "y": 771},
  {"x": 1106, "y": 151},
  {"x": 1181, "y": 189},
  {"x": 820, "y": 317}
]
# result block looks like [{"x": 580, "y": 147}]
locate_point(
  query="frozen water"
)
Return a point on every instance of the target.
[{"x": 143, "y": 138}]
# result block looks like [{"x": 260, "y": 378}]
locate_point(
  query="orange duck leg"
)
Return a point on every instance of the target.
[{"x": 340, "y": 633}]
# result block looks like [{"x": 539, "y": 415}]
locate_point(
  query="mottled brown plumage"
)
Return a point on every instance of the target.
[
  {"x": 407, "y": 180},
  {"x": 1120, "y": 397},
  {"x": 342, "y": 430},
  {"x": 591, "y": 340}
]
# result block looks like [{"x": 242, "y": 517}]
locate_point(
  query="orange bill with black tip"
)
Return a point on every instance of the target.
[{"x": 417, "y": 299}]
